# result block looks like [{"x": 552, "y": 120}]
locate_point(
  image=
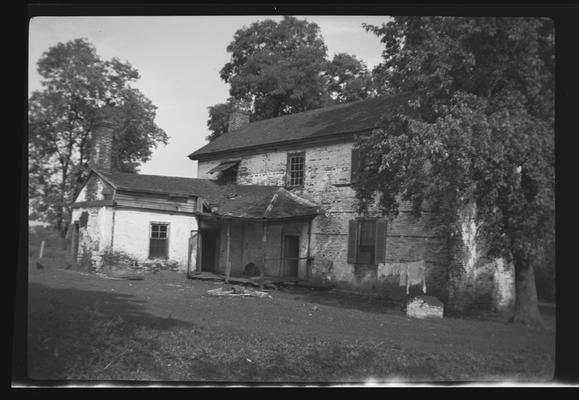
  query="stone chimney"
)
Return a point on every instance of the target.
[
  {"x": 239, "y": 116},
  {"x": 102, "y": 141}
]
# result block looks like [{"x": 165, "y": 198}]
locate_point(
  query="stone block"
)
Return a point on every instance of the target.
[{"x": 425, "y": 307}]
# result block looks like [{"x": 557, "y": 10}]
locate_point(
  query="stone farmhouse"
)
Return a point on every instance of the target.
[{"x": 275, "y": 193}]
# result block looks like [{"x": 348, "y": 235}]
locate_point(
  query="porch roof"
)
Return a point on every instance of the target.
[{"x": 278, "y": 204}]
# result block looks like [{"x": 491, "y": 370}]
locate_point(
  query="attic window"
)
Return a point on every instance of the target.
[
  {"x": 295, "y": 169},
  {"x": 227, "y": 170}
]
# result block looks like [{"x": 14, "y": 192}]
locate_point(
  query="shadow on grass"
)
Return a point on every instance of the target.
[
  {"x": 93, "y": 335},
  {"x": 360, "y": 302}
]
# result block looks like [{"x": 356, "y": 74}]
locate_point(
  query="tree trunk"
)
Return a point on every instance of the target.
[
  {"x": 464, "y": 254},
  {"x": 460, "y": 280},
  {"x": 526, "y": 304},
  {"x": 60, "y": 217}
]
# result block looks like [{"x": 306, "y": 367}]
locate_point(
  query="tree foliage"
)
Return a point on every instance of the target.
[
  {"x": 348, "y": 79},
  {"x": 219, "y": 119},
  {"x": 77, "y": 83},
  {"x": 282, "y": 68},
  {"x": 477, "y": 128},
  {"x": 277, "y": 66}
]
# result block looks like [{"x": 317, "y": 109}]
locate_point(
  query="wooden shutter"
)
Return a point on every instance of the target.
[
  {"x": 380, "y": 255},
  {"x": 355, "y": 168},
  {"x": 352, "y": 241},
  {"x": 287, "y": 171},
  {"x": 83, "y": 220}
]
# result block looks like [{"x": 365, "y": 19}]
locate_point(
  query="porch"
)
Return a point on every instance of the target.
[
  {"x": 254, "y": 281},
  {"x": 266, "y": 241}
]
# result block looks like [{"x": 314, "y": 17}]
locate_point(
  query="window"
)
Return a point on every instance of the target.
[
  {"x": 227, "y": 171},
  {"x": 229, "y": 175},
  {"x": 367, "y": 241},
  {"x": 159, "y": 240},
  {"x": 295, "y": 169}
]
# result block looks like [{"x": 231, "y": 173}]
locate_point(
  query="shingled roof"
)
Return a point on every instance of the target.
[
  {"x": 358, "y": 116},
  {"x": 226, "y": 200}
]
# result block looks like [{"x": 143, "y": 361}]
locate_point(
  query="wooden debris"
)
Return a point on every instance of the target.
[{"x": 237, "y": 291}]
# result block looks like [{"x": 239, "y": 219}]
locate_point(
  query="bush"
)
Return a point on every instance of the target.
[{"x": 118, "y": 260}]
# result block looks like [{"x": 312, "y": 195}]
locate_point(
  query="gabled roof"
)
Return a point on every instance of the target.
[
  {"x": 226, "y": 200},
  {"x": 170, "y": 185},
  {"x": 354, "y": 117}
]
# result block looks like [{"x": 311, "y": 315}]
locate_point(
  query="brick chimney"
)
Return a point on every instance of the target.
[
  {"x": 239, "y": 116},
  {"x": 102, "y": 141}
]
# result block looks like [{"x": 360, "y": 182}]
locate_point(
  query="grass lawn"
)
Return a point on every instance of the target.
[{"x": 166, "y": 328}]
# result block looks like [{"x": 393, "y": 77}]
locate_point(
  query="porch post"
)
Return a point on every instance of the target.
[
  {"x": 228, "y": 255},
  {"x": 262, "y": 270},
  {"x": 308, "y": 262}
]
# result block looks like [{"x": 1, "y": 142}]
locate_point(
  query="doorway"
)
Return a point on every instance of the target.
[
  {"x": 75, "y": 241},
  {"x": 209, "y": 246},
  {"x": 291, "y": 254}
]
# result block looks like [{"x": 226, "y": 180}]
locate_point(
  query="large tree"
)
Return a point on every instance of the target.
[
  {"x": 77, "y": 83},
  {"x": 348, "y": 78},
  {"x": 277, "y": 66},
  {"x": 473, "y": 138},
  {"x": 281, "y": 68}
]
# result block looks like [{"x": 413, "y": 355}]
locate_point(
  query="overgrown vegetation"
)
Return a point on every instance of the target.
[
  {"x": 474, "y": 140},
  {"x": 55, "y": 251}
]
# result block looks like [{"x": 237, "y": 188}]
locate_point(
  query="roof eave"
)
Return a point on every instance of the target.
[{"x": 196, "y": 155}]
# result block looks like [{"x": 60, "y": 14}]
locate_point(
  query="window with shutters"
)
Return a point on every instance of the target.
[
  {"x": 159, "y": 240},
  {"x": 367, "y": 241},
  {"x": 296, "y": 169}
]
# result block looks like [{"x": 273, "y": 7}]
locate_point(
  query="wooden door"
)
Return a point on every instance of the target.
[
  {"x": 291, "y": 253},
  {"x": 209, "y": 250}
]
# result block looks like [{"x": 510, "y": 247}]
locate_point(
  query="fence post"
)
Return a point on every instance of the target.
[{"x": 41, "y": 250}]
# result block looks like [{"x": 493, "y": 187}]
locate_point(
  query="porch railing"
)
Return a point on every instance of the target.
[{"x": 283, "y": 267}]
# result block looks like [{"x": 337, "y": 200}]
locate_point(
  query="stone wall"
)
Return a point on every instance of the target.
[
  {"x": 326, "y": 182},
  {"x": 486, "y": 283}
]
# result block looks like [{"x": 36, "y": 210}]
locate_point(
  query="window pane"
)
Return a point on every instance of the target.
[
  {"x": 296, "y": 170},
  {"x": 158, "y": 231}
]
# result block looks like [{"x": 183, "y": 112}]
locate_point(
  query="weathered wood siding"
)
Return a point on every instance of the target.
[{"x": 151, "y": 201}]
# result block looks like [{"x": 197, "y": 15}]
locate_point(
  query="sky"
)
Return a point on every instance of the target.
[{"x": 179, "y": 59}]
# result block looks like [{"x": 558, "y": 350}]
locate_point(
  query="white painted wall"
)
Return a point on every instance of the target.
[
  {"x": 131, "y": 233},
  {"x": 96, "y": 236},
  {"x": 82, "y": 196}
]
